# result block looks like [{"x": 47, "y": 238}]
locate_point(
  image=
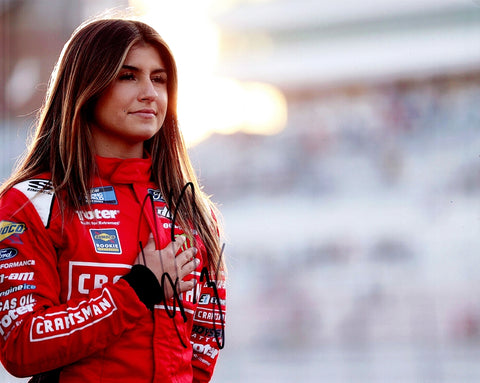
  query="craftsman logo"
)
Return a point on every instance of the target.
[
  {"x": 106, "y": 241},
  {"x": 74, "y": 319},
  {"x": 84, "y": 277},
  {"x": 11, "y": 229},
  {"x": 206, "y": 315},
  {"x": 104, "y": 194},
  {"x": 7, "y": 253}
]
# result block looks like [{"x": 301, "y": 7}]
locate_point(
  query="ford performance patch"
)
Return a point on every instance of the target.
[
  {"x": 156, "y": 194},
  {"x": 106, "y": 241},
  {"x": 7, "y": 253}
]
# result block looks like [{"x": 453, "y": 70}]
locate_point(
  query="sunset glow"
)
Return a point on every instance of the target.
[{"x": 208, "y": 103}]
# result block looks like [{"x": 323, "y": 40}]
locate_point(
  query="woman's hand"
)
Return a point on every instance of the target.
[{"x": 166, "y": 261}]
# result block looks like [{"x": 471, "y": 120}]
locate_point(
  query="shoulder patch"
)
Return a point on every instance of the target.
[{"x": 40, "y": 193}]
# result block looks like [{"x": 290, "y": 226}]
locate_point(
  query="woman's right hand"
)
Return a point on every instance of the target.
[{"x": 166, "y": 261}]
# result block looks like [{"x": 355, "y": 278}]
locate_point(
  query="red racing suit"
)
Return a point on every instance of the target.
[{"x": 64, "y": 298}]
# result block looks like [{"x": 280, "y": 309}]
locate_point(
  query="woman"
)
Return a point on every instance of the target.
[{"x": 107, "y": 184}]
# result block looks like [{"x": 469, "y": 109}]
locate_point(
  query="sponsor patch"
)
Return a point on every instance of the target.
[
  {"x": 206, "y": 332},
  {"x": 10, "y": 265},
  {"x": 11, "y": 230},
  {"x": 27, "y": 276},
  {"x": 164, "y": 212},
  {"x": 206, "y": 315},
  {"x": 64, "y": 323},
  {"x": 83, "y": 277},
  {"x": 7, "y": 253},
  {"x": 12, "y": 318},
  {"x": 14, "y": 289},
  {"x": 40, "y": 193},
  {"x": 156, "y": 194},
  {"x": 204, "y": 349},
  {"x": 40, "y": 186},
  {"x": 207, "y": 299},
  {"x": 91, "y": 217},
  {"x": 106, "y": 241},
  {"x": 9, "y": 304},
  {"x": 105, "y": 194}
]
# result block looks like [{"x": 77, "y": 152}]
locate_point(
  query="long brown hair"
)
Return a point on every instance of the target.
[{"x": 62, "y": 143}]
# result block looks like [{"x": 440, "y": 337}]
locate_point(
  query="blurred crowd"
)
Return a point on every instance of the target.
[{"x": 359, "y": 222}]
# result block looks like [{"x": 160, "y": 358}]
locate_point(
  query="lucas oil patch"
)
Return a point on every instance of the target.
[{"x": 106, "y": 241}]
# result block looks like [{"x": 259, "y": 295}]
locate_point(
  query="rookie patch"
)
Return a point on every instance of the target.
[{"x": 106, "y": 241}]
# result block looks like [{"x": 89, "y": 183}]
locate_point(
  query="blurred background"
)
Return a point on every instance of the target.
[{"x": 341, "y": 141}]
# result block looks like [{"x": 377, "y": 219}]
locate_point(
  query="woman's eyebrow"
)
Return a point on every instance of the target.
[{"x": 135, "y": 69}]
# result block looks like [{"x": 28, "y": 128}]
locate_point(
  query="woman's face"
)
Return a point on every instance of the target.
[{"x": 132, "y": 109}]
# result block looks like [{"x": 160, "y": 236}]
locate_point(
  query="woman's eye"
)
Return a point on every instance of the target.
[
  {"x": 127, "y": 76},
  {"x": 159, "y": 79}
]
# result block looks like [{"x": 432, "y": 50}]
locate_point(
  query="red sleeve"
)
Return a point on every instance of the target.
[
  {"x": 208, "y": 330},
  {"x": 30, "y": 307}
]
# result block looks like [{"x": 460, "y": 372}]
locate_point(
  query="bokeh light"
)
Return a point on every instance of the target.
[{"x": 208, "y": 103}]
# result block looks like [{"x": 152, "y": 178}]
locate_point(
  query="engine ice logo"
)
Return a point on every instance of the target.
[
  {"x": 106, "y": 241},
  {"x": 104, "y": 194},
  {"x": 11, "y": 229}
]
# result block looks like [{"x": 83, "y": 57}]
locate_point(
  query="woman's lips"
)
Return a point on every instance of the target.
[{"x": 145, "y": 113}]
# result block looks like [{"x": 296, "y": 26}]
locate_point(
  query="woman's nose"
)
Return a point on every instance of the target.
[{"x": 147, "y": 91}]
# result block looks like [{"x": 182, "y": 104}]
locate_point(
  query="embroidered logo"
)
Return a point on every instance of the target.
[
  {"x": 7, "y": 253},
  {"x": 105, "y": 194},
  {"x": 157, "y": 195},
  {"x": 11, "y": 229},
  {"x": 106, "y": 241}
]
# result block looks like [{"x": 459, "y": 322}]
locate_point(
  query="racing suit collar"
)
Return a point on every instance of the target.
[{"x": 125, "y": 171}]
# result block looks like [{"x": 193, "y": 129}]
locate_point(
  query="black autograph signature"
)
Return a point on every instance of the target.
[{"x": 166, "y": 279}]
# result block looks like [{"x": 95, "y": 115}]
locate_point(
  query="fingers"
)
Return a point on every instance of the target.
[
  {"x": 171, "y": 260},
  {"x": 188, "y": 267},
  {"x": 185, "y": 261},
  {"x": 145, "y": 251},
  {"x": 177, "y": 243},
  {"x": 186, "y": 256},
  {"x": 185, "y": 286},
  {"x": 150, "y": 246}
]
